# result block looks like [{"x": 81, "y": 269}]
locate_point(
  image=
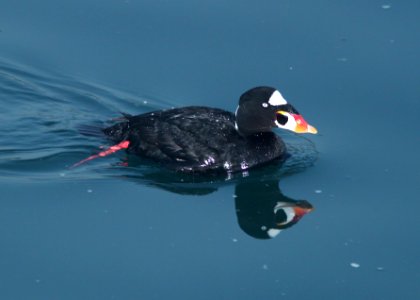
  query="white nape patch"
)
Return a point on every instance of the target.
[
  {"x": 265, "y": 104},
  {"x": 277, "y": 99},
  {"x": 236, "y": 114},
  {"x": 273, "y": 232}
]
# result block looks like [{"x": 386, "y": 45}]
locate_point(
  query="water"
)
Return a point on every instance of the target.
[{"x": 105, "y": 231}]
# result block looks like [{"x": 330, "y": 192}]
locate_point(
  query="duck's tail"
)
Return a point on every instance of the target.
[{"x": 118, "y": 133}]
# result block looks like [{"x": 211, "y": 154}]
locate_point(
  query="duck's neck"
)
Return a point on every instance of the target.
[{"x": 250, "y": 124}]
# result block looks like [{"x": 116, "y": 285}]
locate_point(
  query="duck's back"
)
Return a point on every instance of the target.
[{"x": 196, "y": 139}]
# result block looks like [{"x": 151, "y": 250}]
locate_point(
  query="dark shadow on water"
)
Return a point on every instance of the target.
[{"x": 262, "y": 210}]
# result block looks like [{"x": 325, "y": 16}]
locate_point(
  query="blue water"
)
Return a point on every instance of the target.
[{"x": 110, "y": 231}]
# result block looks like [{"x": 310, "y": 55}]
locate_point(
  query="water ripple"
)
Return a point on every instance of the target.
[{"x": 40, "y": 115}]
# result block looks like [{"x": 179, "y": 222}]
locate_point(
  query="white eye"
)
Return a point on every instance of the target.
[{"x": 265, "y": 104}]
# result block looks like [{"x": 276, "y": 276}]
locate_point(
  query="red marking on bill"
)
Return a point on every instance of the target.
[{"x": 110, "y": 150}]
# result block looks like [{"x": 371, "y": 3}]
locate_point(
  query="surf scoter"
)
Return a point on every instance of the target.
[{"x": 203, "y": 139}]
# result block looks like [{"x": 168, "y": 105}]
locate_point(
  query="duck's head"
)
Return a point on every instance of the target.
[{"x": 263, "y": 108}]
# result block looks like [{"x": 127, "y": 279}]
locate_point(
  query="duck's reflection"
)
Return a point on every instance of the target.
[{"x": 261, "y": 209}]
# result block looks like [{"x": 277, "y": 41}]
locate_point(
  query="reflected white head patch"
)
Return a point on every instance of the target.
[
  {"x": 273, "y": 232},
  {"x": 277, "y": 99}
]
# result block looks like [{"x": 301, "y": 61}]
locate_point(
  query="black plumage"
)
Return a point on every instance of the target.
[
  {"x": 196, "y": 139},
  {"x": 203, "y": 139}
]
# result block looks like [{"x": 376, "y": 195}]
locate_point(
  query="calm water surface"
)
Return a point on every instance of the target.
[{"x": 111, "y": 231}]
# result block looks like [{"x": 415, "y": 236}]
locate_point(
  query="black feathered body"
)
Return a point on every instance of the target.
[{"x": 196, "y": 139}]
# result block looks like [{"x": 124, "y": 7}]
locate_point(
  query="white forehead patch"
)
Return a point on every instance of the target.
[{"x": 277, "y": 99}]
